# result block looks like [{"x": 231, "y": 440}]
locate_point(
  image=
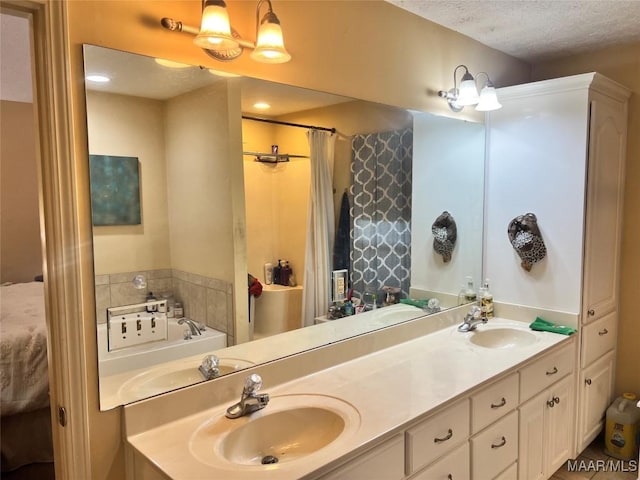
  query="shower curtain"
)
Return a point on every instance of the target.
[
  {"x": 321, "y": 227},
  {"x": 381, "y": 211}
]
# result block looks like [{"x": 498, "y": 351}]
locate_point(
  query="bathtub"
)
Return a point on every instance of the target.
[
  {"x": 277, "y": 310},
  {"x": 149, "y": 354}
]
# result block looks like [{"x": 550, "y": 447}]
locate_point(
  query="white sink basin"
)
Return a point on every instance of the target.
[
  {"x": 502, "y": 337},
  {"x": 172, "y": 376},
  {"x": 289, "y": 428}
]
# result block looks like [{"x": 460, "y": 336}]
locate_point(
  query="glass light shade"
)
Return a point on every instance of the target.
[
  {"x": 215, "y": 29},
  {"x": 488, "y": 100},
  {"x": 270, "y": 45},
  {"x": 468, "y": 92}
]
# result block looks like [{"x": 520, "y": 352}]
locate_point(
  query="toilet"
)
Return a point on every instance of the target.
[{"x": 277, "y": 310}]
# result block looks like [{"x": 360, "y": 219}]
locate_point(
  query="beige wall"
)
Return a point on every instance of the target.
[
  {"x": 199, "y": 182},
  {"x": 621, "y": 64},
  {"x": 337, "y": 46},
  {"x": 20, "y": 243},
  {"x": 132, "y": 127}
]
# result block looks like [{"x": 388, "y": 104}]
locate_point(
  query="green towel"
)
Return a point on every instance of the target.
[
  {"x": 542, "y": 325},
  {"x": 414, "y": 302}
]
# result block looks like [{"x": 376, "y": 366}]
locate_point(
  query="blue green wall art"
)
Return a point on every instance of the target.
[{"x": 115, "y": 190}]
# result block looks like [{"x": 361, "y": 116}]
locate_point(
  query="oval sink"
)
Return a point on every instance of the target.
[
  {"x": 170, "y": 377},
  {"x": 503, "y": 337},
  {"x": 286, "y": 435},
  {"x": 289, "y": 428}
]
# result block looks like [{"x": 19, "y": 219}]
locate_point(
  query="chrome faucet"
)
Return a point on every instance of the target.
[
  {"x": 472, "y": 319},
  {"x": 210, "y": 367},
  {"x": 195, "y": 329},
  {"x": 250, "y": 400}
]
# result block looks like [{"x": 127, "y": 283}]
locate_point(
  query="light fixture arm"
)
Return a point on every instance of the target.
[
  {"x": 489, "y": 82},
  {"x": 269, "y": 16},
  {"x": 466, "y": 76}
]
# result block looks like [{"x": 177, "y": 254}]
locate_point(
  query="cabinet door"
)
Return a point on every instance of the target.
[
  {"x": 531, "y": 438},
  {"x": 559, "y": 424},
  {"x": 596, "y": 393},
  {"x": 607, "y": 143},
  {"x": 384, "y": 461}
]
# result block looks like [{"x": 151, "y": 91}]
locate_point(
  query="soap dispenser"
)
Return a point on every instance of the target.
[{"x": 486, "y": 300}]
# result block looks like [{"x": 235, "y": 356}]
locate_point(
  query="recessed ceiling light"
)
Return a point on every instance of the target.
[
  {"x": 261, "y": 105},
  {"x": 220, "y": 73},
  {"x": 98, "y": 78},
  {"x": 170, "y": 63}
]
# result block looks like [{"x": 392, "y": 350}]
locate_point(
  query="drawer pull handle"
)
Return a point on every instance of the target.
[
  {"x": 502, "y": 403},
  {"x": 502, "y": 443},
  {"x": 603, "y": 332},
  {"x": 444, "y": 439},
  {"x": 588, "y": 381},
  {"x": 556, "y": 400},
  {"x": 553, "y": 372},
  {"x": 551, "y": 403},
  {"x": 591, "y": 312}
]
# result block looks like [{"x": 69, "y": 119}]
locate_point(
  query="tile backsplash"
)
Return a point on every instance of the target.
[{"x": 207, "y": 300}]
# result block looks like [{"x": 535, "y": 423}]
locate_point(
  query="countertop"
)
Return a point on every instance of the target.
[{"x": 389, "y": 389}]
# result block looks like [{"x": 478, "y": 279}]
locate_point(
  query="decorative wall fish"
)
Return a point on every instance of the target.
[
  {"x": 526, "y": 239},
  {"x": 445, "y": 233}
]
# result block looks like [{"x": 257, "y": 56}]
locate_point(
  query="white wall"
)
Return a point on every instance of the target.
[
  {"x": 130, "y": 126},
  {"x": 448, "y": 172},
  {"x": 532, "y": 167}
]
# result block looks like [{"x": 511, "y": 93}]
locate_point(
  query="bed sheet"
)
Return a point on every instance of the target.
[{"x": 24, "y": 377}]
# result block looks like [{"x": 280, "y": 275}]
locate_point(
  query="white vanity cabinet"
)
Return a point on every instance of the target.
[{"x": 557, "y": 149}]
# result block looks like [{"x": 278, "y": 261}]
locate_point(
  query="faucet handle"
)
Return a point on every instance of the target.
[
  {"x": 210, "y": 362},
  {"x": 475, "y": 312},
  {"x": 252, "y": 384}
]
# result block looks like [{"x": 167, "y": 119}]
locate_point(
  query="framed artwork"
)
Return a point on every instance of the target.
[{"x": 115, "y": 190}]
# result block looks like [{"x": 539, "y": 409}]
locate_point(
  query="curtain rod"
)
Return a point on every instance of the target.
[{"x": 289, "y": 124}]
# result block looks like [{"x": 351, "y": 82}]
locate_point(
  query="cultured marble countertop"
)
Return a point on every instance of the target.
[{"x": 389, "y": 389}]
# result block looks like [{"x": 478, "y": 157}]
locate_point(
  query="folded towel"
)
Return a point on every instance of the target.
[
  {"x": 414, "y": 302},
  {"x": 542, "y": 325}
]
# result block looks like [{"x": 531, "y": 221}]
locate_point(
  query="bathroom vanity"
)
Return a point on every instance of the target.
[{"x": 445, "y": 403}]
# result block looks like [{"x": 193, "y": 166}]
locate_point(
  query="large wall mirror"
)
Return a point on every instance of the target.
[{"x": 192, "y": 196}]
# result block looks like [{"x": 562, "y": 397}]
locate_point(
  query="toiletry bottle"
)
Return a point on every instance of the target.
[
  {"x": 268, "y": 273},
  {"x": 285, "y": 273},
  {"x": 276, "y": 273},
  {"x": 470, "y": 292},
  {"x": 486, "y": 300},
  {"x": 178, "y": 310},
  {"x": 150, "y": 298}
]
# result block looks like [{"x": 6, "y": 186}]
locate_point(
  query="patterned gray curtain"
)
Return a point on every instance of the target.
[{"x": 381, "y": 211}]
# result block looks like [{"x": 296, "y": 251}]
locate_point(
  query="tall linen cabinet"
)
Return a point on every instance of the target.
[{"x": 557, "y": 149}]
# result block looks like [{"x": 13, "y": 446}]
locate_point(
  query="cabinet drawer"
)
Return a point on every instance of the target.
[
  {"x": 437, "y": 436},
  {"x": 495, "y": 448},
  {"x": 598, "y": 338},
  {"x": 493, "y": 402},
  {"x": 543, "y": 372},
  {"x": 383, "y": 461},
  {"x": 454, "y": 465}
]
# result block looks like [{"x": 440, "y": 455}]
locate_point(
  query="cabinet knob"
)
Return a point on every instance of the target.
[
  {"x": 445, "y": 438},
  {"x": 502, "y": 443},
  {"x": 502, "y": 403},
  {"x": 551, "y": 403},
  {"x": 591, "y": 312},
  {"x": 602, "y": 332},
  {"x": 553, "y": 372},
  {"x": 556, "y": 400},
  {"x": 449, "y": 477},
  {"x": 588, "y": 381}
]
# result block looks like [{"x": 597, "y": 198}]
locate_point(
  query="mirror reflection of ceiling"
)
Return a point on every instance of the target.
[{"x": 141, "y": 76}]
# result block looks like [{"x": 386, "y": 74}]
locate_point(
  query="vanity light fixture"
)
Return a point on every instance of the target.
[
  {"x": 466, "y": 93},
  {"x": 222, "y": 42}
]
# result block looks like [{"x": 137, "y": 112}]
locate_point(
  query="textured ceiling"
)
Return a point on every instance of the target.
[{"x": 535, "y": 30}]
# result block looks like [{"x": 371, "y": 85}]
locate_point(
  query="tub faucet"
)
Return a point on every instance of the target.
[
  {"x": 210, "y": 367},
  {"x": 472, "y": 319},
  {"x": 195, "y": 329},
  {"x": 250, "y": 400}
]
